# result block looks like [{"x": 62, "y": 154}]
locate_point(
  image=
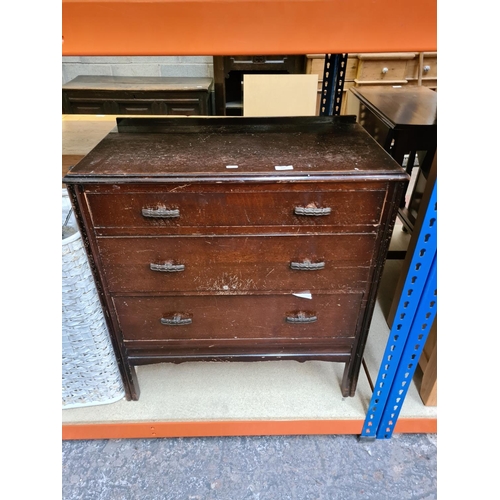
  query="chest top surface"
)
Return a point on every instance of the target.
[
  {"x": 302, "y": 148},
  {"x": 145, "y": 83}
]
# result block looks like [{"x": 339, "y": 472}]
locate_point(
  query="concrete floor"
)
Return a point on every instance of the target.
[{"x": 339, "y": 467}]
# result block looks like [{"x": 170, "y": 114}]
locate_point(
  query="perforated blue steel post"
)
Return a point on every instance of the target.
[
  {"x": 422, "y": 323},
  {"x": 419, "y": 292}
]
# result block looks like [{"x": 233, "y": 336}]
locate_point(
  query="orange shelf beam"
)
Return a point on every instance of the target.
[
  {"x": 246, "y": 27},
  {"x": 131, "y": 430}
]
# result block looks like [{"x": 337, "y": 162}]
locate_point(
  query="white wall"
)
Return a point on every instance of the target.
[{"x": 198, "y": 66}]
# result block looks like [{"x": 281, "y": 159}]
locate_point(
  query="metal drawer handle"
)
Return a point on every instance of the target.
[
  {"x": 311, "y": 210},
  {"x": 177, "y": 319},
  {"x": 167, "y": 267},
  {"x": 160, "y": 212},
  {"x": 301, "y": 317},
  {"x": 307, "y": 265}
]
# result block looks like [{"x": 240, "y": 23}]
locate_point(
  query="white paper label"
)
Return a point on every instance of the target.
[
  {"x": 304, "y": 295},
  {"x": 284, "y": 167}
]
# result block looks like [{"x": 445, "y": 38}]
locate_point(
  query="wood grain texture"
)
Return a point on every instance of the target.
[
  {"x": 428, "y": 364},
  {"x": 158, "y": 193},
  {"x": 400, "y": 107}
]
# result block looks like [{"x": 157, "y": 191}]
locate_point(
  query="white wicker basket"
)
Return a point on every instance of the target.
[{"x": 90, "y": 374}]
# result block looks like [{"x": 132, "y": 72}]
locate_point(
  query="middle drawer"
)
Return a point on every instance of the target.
[{"x": 237, "y": 264}]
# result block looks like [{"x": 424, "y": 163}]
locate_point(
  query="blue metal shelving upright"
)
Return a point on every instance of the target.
[
  {"x": 413, "y": 319},
  {"x": 418, "y": 303}
]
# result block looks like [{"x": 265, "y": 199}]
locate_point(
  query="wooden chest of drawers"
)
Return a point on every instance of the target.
[
  {"x": 237, "y": 238},
  {"x": 137, "y": 95}
]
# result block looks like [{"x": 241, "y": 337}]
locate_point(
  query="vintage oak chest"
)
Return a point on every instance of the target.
[{"x": 241, "y": 239}]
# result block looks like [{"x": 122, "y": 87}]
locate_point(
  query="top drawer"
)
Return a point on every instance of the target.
[
  {"x": 383, "y": 68},
  {"x": 167, "y": 211}
]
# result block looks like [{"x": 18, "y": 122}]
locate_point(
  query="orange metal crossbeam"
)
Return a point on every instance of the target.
[
  {"x": 130, "y": 430},
  {"x": 245, "y": 27}
]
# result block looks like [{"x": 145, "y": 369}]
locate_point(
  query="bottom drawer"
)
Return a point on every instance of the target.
[{"x": 155, "y": 320}]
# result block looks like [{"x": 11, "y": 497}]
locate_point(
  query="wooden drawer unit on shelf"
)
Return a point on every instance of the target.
[
  {"x": 278, "y": 256},
  {"x": 137, "y": 95},
  {"x": 423, "y": 70},
  {"x": 383, "y": 68},
  {"x": 365, "y": 69}
]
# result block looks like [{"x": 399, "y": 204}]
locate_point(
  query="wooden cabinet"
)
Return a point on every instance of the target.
[
  {"x": 386, "y": 68},
  {"x": 403, "y": 120},
  {"x": 115, "y": 95},
  {"x": 237, "y": 239},
  {"x": 229, "y": 71}
]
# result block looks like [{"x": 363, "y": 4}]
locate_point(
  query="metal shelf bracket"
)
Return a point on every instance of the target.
[{"x": 333, "y": 84}]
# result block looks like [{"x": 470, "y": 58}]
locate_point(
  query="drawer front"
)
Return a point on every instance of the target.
[
  {"x": 237, "y": 264},
  {"x": 429, "y": 71},
  {"x": 238, "y": 317},
  {"x": 138, "y": 107},
  {"x": 163, "y": 212},
  {"x": 381, "y": 70},
  {"x": 185, "y": 108},
  {"x": 86, "y": 106},
  {"x": 429, "y": 68}
]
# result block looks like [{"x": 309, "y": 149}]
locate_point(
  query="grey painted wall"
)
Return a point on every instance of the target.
[{"x": 200, "y": 66}]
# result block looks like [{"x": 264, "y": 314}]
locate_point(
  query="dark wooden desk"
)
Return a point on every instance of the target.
[
  {"x": 404, "y": 122},
  {"x": 126, "y": 95}
]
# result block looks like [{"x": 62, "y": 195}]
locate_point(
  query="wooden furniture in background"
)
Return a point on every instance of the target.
[
  {"x": 137, "y": 95},
  {"x": 68, "y": 161},
  {"x": 428, "y": 365},
  {"x": 403, "y": 120},
  {"x": 387, "y": 68},
  {"x": 239, "y": 239},
  {"x": 229, "y": 71},
  {"x": 383, "y": 68},
  {"x": 80, "y": 134}
]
